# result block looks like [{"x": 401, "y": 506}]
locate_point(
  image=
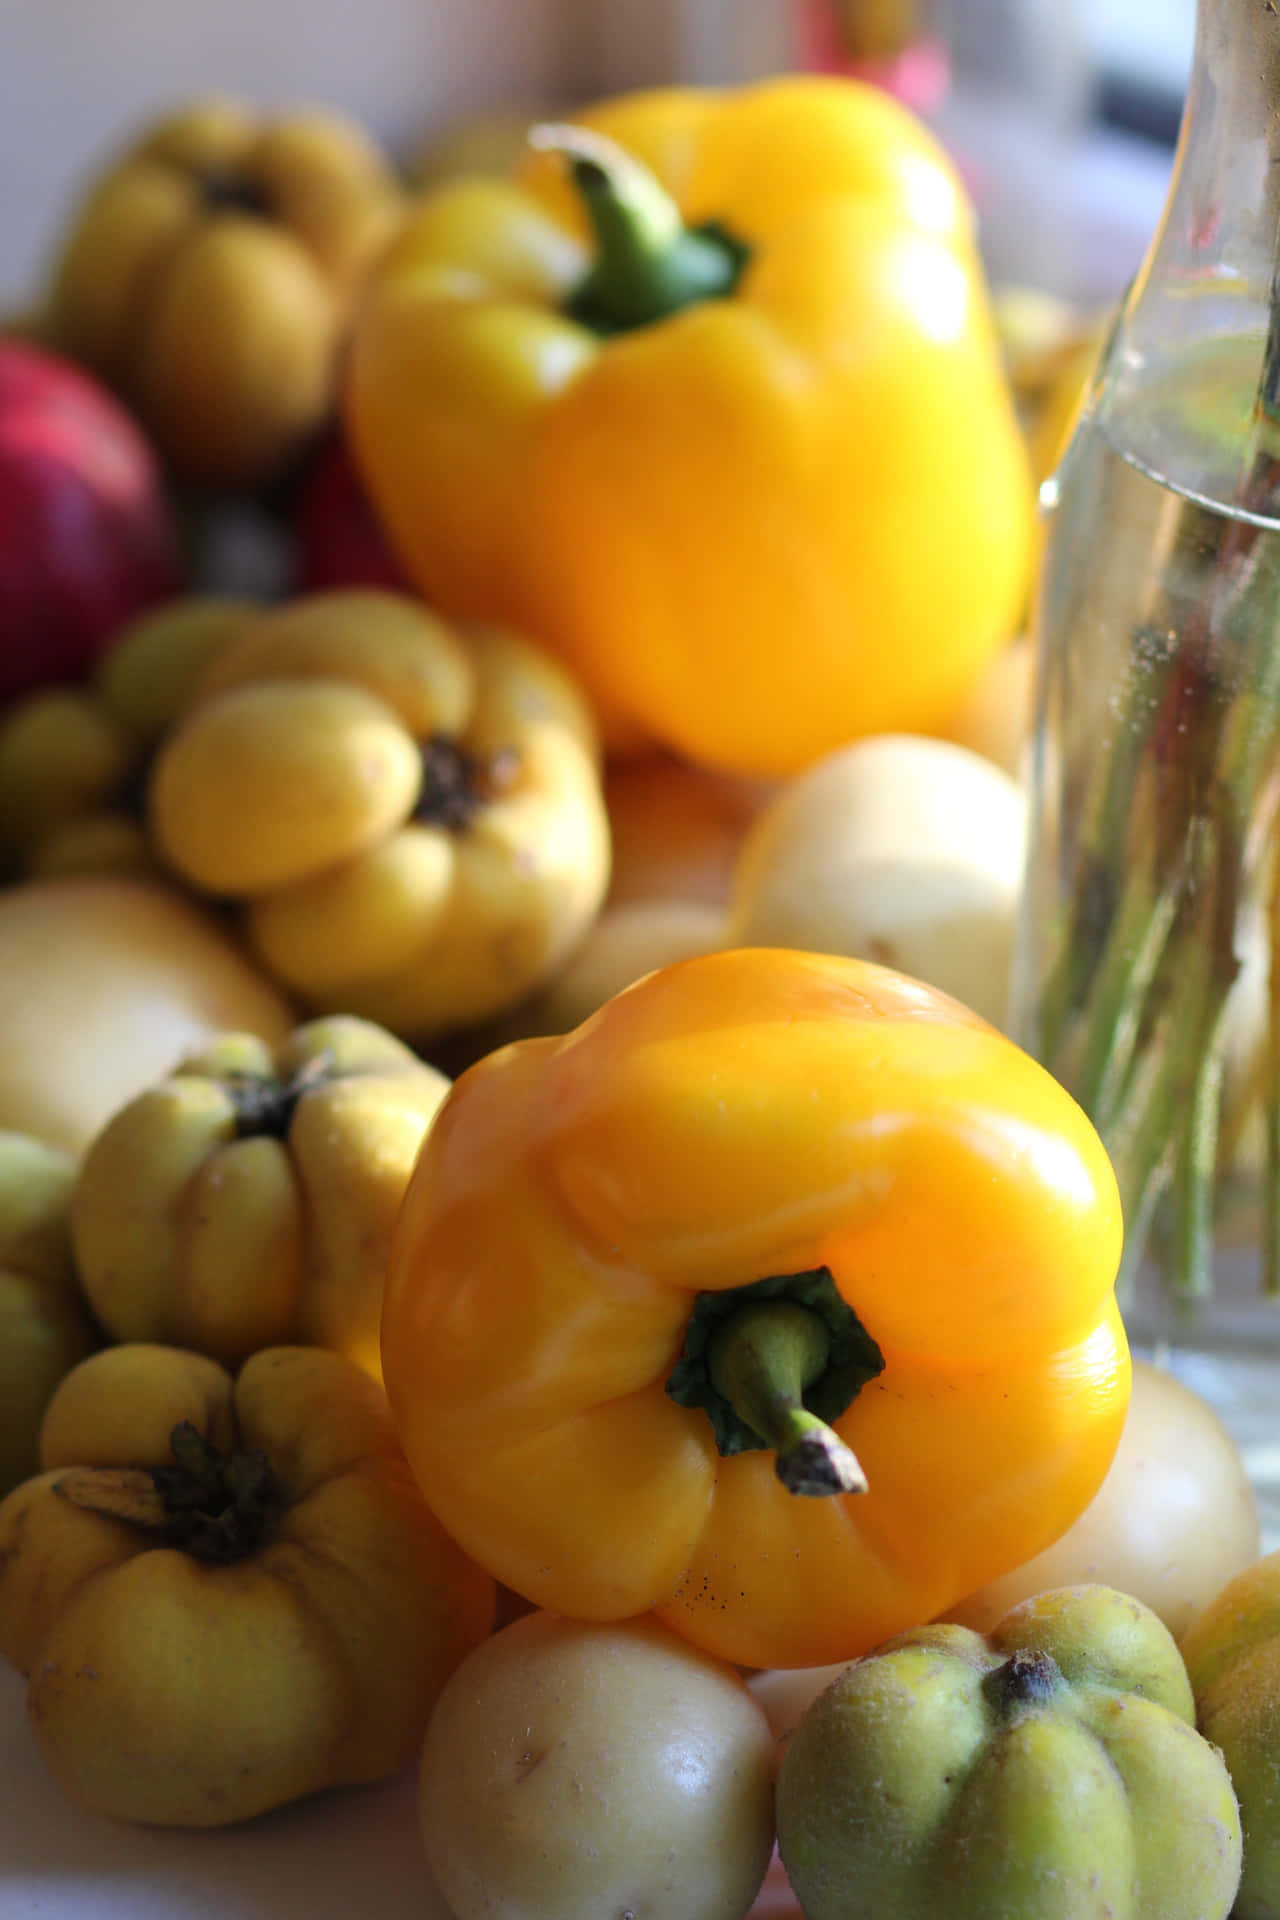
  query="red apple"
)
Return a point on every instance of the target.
[
  {"x": 340, "y": 542},
  {"x": 87, "y": 535}
]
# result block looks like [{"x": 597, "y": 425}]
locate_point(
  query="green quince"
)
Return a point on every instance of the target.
[{"x": 1050, "y": 1770}]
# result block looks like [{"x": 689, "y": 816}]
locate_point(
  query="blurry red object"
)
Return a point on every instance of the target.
[
  {"x": 87, "y": 533},
  {"x": 919, "y": 74},
  {"x": 338, "y": 538}
]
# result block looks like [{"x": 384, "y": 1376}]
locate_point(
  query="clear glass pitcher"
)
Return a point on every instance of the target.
[{"x": 1144, "y": 972}]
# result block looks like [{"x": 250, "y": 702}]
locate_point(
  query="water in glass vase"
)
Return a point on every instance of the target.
[{"x": 1142, "y": 972}]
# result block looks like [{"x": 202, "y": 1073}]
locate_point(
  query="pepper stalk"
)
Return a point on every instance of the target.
[{"x": 648, "y": 263}]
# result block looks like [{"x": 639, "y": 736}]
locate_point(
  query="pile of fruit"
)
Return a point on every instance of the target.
[{"x": 523, "y": 1246}]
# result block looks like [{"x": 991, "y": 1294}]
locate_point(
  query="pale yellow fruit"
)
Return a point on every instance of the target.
[
  {"x": 676, "y": 828},
  {"x": 628, "y": 940},
  {"x": 437, "y": 794},
  {"x": 44, "y": 1325},
  {"x": 898, "y": 849},
  {"x": 1173, "y": 1521},
  {"x": 61, "y": 756},
  {"x": 239, "y": 350},
  {"x": 108, "y": 983},
  {"x": 575, "y": 1770},
  {"x": 249, "y": 1199},
  {"x": 103, "y": 842},
  {"x": 149, "y": 676},
  {"x": 270, "y": 784},
  {"x": 209, "y": 276}
]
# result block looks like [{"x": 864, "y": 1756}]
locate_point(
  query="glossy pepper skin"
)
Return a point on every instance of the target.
[
  {"x": 583, "y": 1204},
  {"x": 781, "y": 517}
]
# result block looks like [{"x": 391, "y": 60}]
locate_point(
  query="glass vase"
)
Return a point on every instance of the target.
[{"x": 1143, "y": 973}]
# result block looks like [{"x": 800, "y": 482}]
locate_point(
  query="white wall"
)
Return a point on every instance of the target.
[
  {"x": 706, "y": 42},
  {"x": 77, "y": 75}
]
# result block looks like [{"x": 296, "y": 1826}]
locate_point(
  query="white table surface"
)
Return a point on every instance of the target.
[{"x": 355, "y": 1851}]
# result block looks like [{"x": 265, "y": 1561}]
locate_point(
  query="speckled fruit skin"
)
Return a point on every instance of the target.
[
  {"x": 1049, "y": 1771},
  {"x": 591, "y": 1770},
  {"x": 1232, "y": 1651}
]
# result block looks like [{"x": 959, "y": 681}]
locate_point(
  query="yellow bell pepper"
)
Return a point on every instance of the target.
[
  {"x": 769, "y": 1225},
  {"x": 727, "y": 426},
  {"x": 226, "y": 1594}
]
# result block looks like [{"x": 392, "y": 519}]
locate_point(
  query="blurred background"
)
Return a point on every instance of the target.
[{"x": 1062, "y": 112}]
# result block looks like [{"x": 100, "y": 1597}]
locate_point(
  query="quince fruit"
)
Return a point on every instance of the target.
[
  {"x": 409, "y": 817},
  {"x": 107, "y": 981},
  {"x": 209, "y": 276},
  {"x": 1049, "y": 1771},
  {"x": 45, "y": 1327},
  {"x": 1232, "y": 1651},
  {"x": 247, "y": 1200},
  {"x": 226, "y": 1594},
  {"x": 73, "y": 759},
  {"x": 898, "y": 848}
]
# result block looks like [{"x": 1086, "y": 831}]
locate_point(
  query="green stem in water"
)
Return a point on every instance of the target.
[
  {"x": 648, "y": 263},
  {"x": 1111, "y": 1023},
  {"x": 1192, "y": 1186},
  {"x": 1167, "y": 1135},
  {"x": 1133, "y": 1014},
  {"x": 1271, "y": 1101},
  {"x": 1107, "y": 807}
]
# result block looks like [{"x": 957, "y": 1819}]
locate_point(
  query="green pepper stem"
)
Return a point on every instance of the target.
[
  {"x": 648, "y": 263},
  {"x": 761, "y": 1359}
]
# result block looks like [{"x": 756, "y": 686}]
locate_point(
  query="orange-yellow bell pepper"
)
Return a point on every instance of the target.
[
  {"x": 615, "y": 1244},
  {"x": 758, "y": 476}
]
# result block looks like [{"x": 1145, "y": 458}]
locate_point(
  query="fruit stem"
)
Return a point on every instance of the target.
[
  {"x": 212, "y": 1505},
  {"x": 648, "y": 264},
  {"x": 1023, "y": 1680},
  {"x": 264, "y": 1106},
  {"x": 457, "y": 784},
  {"x": 760, "y": 1360}
]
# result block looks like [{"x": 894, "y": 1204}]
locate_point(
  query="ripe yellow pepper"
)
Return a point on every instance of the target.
[
  {"x": 757, "y": 477},
  {"x": 769, "y": 1225}
]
